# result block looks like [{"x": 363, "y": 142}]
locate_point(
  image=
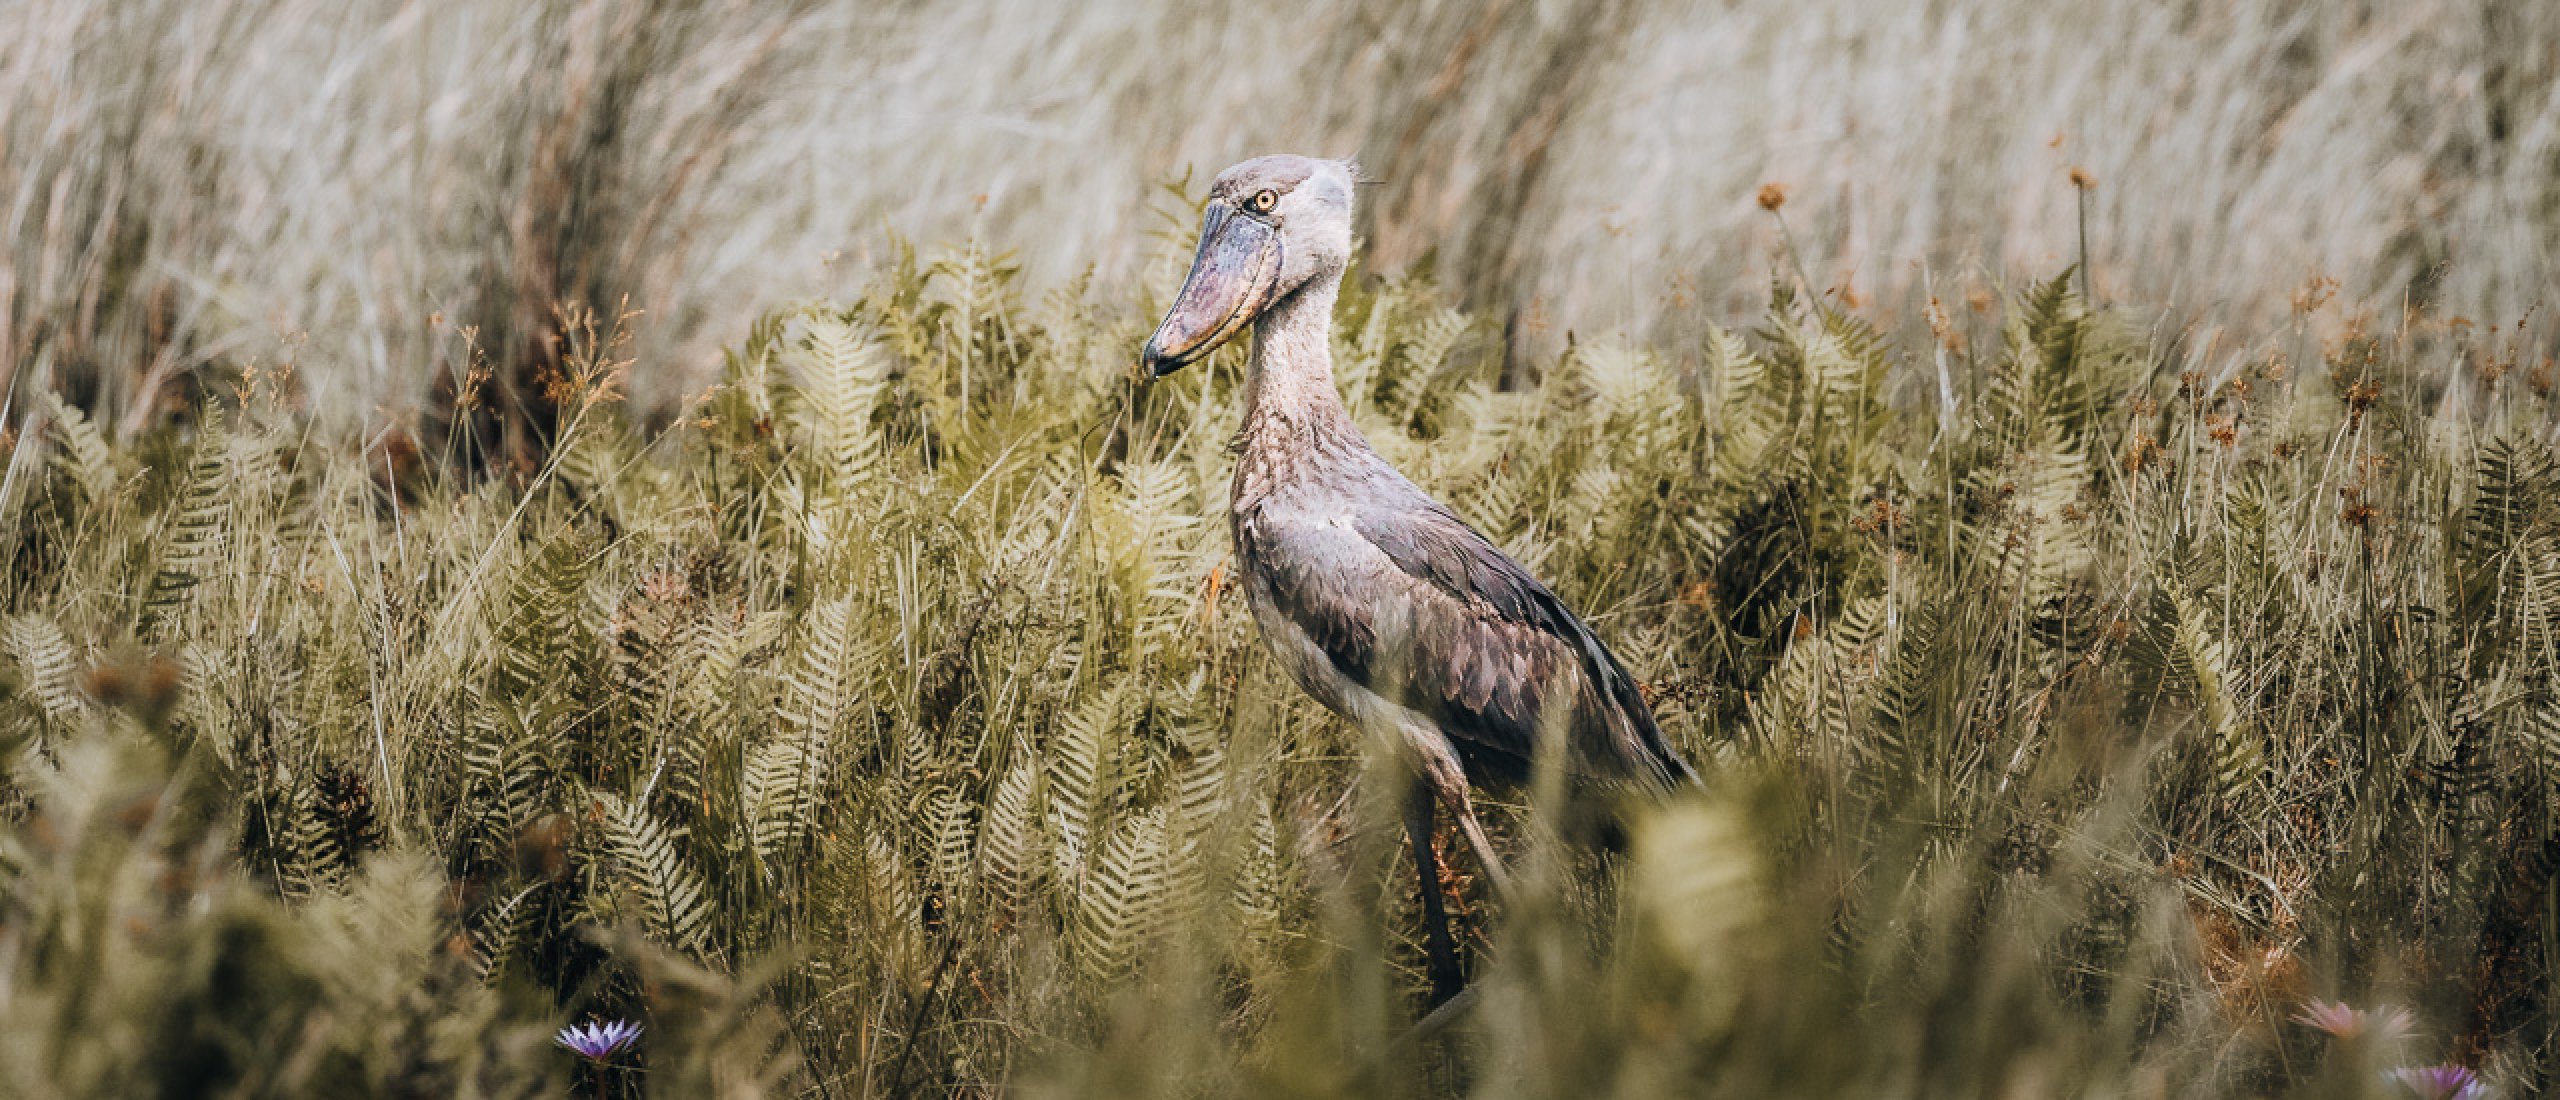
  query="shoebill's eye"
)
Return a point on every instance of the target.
[{"x": 1262, "y": 201}]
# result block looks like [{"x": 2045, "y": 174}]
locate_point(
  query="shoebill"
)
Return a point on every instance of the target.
[{"x": 1385, "y": 606}]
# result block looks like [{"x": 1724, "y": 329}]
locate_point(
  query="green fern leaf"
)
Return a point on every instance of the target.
[
  {"x": 196, "y": 530},
  {"x": 648, "y": 862},
  {"x": 1123, "y": 899},
  {"x": 85, "y": 457},
  {"x": 48, "y": 665}
]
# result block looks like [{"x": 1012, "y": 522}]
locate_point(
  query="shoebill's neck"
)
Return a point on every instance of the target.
[
  {"x": 1295, "y": 430},
  {"x": 1289, "y": 383}
]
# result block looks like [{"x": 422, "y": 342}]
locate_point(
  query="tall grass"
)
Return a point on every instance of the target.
[
  {"x": 355, "y": 184},
  {"x": 889, "y": 723},
  {"x": 857, "y": 692}
]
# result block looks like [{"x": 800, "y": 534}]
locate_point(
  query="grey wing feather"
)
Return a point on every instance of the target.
[{"x": 1501, "y": 645}]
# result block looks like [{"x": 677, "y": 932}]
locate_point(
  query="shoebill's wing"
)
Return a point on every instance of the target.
[{"x": 1428, "y": 613}]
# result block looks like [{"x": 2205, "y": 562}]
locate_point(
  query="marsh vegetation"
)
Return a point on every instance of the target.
[
  {"x": 530, "y": 589},
  {"x": 885, "y": 723}
]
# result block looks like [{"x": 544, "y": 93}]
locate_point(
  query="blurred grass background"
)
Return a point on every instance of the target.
[
  {"x": 189, "y": 181},
  {"x": 846, "y": 679}
]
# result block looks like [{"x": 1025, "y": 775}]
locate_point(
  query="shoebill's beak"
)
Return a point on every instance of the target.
[{"x": 1231, "y": 282}]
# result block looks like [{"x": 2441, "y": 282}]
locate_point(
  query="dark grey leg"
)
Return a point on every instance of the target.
[{"x": 1441, "y": 948}]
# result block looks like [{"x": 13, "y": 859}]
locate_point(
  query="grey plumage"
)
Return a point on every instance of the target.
[
  {"x": 1407, "y": 603},
  {"x": 1383, "y": 604}
]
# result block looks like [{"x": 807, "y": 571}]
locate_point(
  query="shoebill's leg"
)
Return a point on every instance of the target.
[
  {"x": 1461, "y": 804},
  {"x": 1448, "y": 779},
  {"x": 1439, "y": 946}
]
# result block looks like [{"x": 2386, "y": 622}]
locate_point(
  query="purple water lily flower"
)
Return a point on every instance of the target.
[
  {"x": 598, "y": 1041},
  {"x": 2445, "y": 1082},
  {"x": 2383, "y": 1022}
]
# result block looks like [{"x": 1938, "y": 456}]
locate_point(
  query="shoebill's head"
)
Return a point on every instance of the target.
[{"x": 1273, "y": 224}]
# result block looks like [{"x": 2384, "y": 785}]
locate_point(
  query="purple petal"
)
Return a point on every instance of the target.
[
  {"x": 598, "y": 1040},
  {"x": 2441, "y": 1082}
]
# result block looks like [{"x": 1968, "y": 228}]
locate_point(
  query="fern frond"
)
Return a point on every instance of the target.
[
  {"x": 310, "y": 857},
  {"x": 838, "y": 377},
  {"x": 196, "y": 529},
  {"x": 779, "y": 789},
  {"x": 85, "y": 457},
  {"x": 1123, "y": 899},
  {"x": 1907, "y": 695},
  {"x": 782, "y": 777},
  {"x": 955, "y": 837},
  {"x": 1012, "y": 843},
  {"x": 540, "y": 636},
  {"x": 648, "y": 862},
  {"x": 1083, "y": 773},
  {"x": 2197, "y": 654},
  {"x": 48, "y": 665}
]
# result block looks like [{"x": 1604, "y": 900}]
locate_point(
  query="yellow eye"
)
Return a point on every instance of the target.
[{"x": 1262, "y": 201}]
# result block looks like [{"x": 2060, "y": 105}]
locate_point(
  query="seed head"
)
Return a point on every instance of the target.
[
  {"x": 2361, "y": 397},
  {"x": 2141, "y": 453},
  {"x": 1772, "y": 196},
  {"x": 1881, "y": 515},
  {"x": 2315, "y": 294},
  {"x": 2225, "y": 430},
  {"x": 1944, "y": 327},
  {"x": 2083, "y": 179}
]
